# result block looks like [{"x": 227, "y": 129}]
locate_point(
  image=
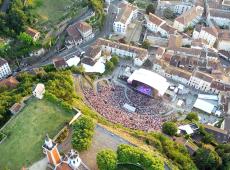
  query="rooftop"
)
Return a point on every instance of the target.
[
  {"x": 190, "y": 15},
  {"x": 125, "y": 10}
]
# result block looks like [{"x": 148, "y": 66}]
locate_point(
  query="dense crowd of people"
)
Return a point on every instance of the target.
[{"x": 109, "y": 101}]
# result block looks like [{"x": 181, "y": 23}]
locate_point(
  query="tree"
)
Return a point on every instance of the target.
[
  {"x": 131, "y": 1},
  {"x": 151, "y": 8},
  {"x": 107, "y": 160},
  {"x": 169, "y": 128},
  {"x": 83, "y": 131},
  {"x": 192, "y": 116},
  {"x": 146, "y": 44},
  {"x": 206, "y": 159},
  {"x": 223, "y": 151},
  {"x": 168, "y": 13},
  {"x": 109, "y": 66},
  {"x": 25, "y": 38},
  {"x": 115, "y": 60}
]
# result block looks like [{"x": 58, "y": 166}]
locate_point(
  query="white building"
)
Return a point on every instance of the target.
[
  {"x": 150, "y": 79},
  {"x": 182, "y": 8},
  {"x": 85, "y": 30},
  {"x": 201, "y": 81},
  {"x": 39, "y": 91},
  {"x": 224, "y": 40},
  {"x": 4, "y": 68},
  {"x": 210, "y": 34},
  {"x": 220, "y": 17},
  {"x": 126, "y": 12},
  {"x": 139, "y": 55},
  {"x": 156, "y": 24},
  {"x": 189, "y": 18}
]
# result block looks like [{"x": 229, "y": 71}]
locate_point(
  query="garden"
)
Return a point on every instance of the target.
[{"x": 26, "y": 132}]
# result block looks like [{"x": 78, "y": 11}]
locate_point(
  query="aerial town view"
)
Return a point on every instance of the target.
[{"x": 114, "y": 84}]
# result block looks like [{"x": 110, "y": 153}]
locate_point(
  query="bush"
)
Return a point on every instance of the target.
[
  {"x": 83, "y": 131},
  {"x": 169, "y": 128},
  {"x": 134, "y": 155},
  {"x": 192, "y": 116},
  {"x": 107, "y": 160}
]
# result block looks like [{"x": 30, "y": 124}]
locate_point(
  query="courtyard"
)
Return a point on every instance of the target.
[{"x": 26, "y": 132}]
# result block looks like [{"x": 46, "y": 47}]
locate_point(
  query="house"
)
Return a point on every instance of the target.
[
  {"x": 126, "y": 12},
  {"x": 10, "y": 82},
  {"x": 201, "y": 81},
  {"x": 153, "y": 22},
  {"x": 189, "y": 18},
  {"x": 175, "y": 41},
  {"x": 182, "y": 7},
  {"x": 156, "y": 24},
  {"x": 139, "y": 55},
  {"x": 210, "y": 34},
  {"x": 85, "y": 30},
  {"x": 59, "y": 63},
  {"x": 160, "y": 51},
  {"x": 219, "y": 17},
  {"x": 4, "y": 68},
  {"x": 224, "y": 40},
  {"x": 74, "y": 36},
  {"x": 78, "y": 33},
  {"x": 39, "y": 91},
  {"x": 33, "y": 33},
  {"x": 16, "y": 108},
  {"x": 188, "y": 129}
]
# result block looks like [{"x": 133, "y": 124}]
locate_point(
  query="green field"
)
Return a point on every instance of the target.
[
  {"x": 27, "y": 131},
  {"x": 52, "y": 10}
]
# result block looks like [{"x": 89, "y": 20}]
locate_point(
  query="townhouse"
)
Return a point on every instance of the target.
[
  {"x": 156, "y": 24},
  {"x": 182, "y": 8},
  {"x": 126, "y": 12},
  {"x": 189, "y": 18},
  {"x": 4, "y": 69},
  {"x": 224, "y": 40},
  {"x": 78, "y": 33},
  {"x": 139, "y": 55},
  {"x": 210, "y": 34},
  {"x": 219, "y": 17}
]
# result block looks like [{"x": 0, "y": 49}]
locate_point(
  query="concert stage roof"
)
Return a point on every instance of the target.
[{"x": 151, "y": 79}]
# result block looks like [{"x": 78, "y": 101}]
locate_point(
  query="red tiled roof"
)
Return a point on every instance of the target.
[
  {"x": 32, "y": 32},
  {"x": 10, "y": 82},
  {"x": 155, "y": 19}
]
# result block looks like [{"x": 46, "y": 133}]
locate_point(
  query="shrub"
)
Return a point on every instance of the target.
[
  {"x": 107, "y": 160},
  {"x": 192, "y": 116},
  {"x": 169, "y": 128},
  {"x": 83, "y": 131}
]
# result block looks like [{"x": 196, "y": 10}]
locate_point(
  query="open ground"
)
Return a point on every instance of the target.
[{"x": 26, "y": 133}]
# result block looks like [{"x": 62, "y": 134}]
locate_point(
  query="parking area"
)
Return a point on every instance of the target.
[{"x": 103, "y": 139}]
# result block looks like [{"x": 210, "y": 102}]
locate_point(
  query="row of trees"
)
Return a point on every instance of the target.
[
  {"x": 126, "y": 154},
  {"x": 83, "y": 131}
]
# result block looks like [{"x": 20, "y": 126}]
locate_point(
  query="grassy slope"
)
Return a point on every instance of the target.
[
  {"x": 52, "y": 10},
  {"x": 27, "y": 131}
]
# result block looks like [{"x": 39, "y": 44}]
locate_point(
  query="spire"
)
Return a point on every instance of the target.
[{"x": 48, "y": 142}]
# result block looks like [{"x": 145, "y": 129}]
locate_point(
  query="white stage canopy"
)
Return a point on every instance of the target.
[
  {"x": 151, "y": 79},
  {"x": 208, "y": 97}
]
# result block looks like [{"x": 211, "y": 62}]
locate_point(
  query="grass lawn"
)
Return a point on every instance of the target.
[
  {"x": 52, "y": 10},
  {"x": 27, "y": 131}
]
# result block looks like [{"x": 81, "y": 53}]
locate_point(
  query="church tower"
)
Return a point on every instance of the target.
[{"x": 51, "y": 151}]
